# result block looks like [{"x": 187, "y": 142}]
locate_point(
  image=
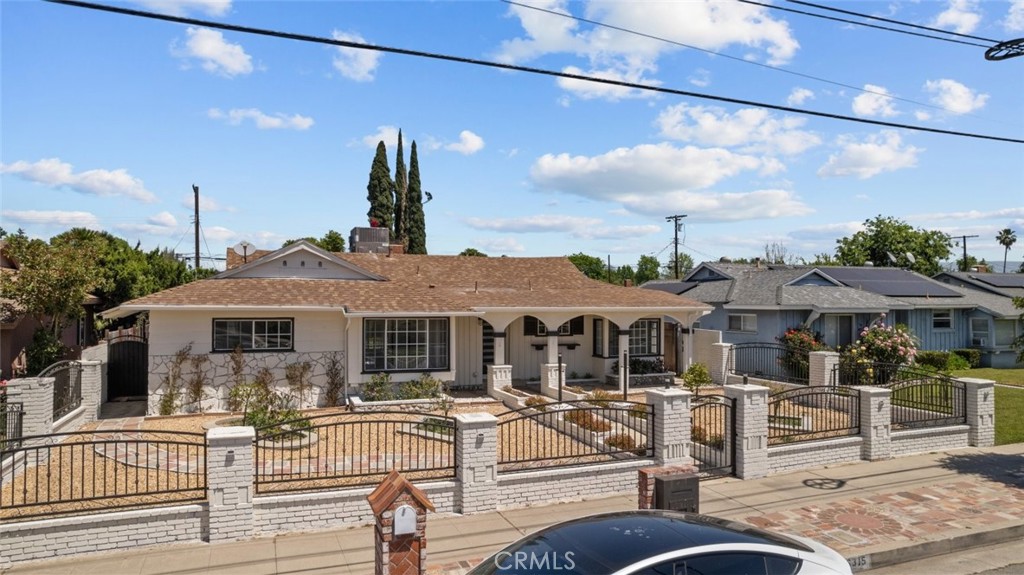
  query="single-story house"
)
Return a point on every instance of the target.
[
  {"x": 759, "y": 302},
  {"x": 401, "y": 314},
  {"x": 995, "y": 322}
]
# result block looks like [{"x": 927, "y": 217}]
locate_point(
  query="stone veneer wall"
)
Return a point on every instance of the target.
[{"x": 221, "y": 380}]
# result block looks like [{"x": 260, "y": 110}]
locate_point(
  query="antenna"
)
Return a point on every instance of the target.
[
  {"x": 243, "y": 248},
  {"x": 892, "y": 259},
  {"x": 911, "y": 258}
]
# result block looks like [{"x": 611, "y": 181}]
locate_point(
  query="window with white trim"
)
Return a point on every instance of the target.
[
  {"x": 253, "y": 334},
  {"x": 644, "y": 338},
  {"x": 746, "y": 322},
  {"x": 1005, "y": 331},
  {"x": 979, "y": 331},
  {"x": 942, "y": 319},
  {"x": 405, "y": 344}
]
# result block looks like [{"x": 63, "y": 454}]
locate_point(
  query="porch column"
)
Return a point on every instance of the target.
[
  {"x": 623, "y": 349},
  {"x": 499, "y": 348},
  {"x": 553, "y": 347}
]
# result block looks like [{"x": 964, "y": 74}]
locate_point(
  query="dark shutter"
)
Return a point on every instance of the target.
[
  {"x": 576, "y": 325},
  {"x": 530, "y": 325}
]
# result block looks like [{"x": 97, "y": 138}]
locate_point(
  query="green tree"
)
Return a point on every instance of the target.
[
  {"x": 379, "y": 191},
  {"x": 332, "y": 241},
  {"x": 823, "y": 259},
  {"x": 472, "y": 252},
  {"x": 884, "y": 235},
  {"x": 591, "y": 266},
  {"x": 1006, "y": 238},
  {"x": 685, "y": 265},
  {"x": 1018, "y": 342},
  {"x": 623, "y": 273},
  {"x": 415, "y": 222},
  {"x": 401, "y": 193},
  {"x": 647, "y": 269},
  {"x": 52, "y": 281}
]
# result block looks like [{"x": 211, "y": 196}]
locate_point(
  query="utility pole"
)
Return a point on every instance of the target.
[
  {"x": 195, "y": 191},
  {"x": 963, "y": 240},
  {"x": 675, "y": 241}
]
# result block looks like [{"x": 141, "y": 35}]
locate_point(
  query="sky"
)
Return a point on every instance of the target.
[{"x": 108, "y": 121}]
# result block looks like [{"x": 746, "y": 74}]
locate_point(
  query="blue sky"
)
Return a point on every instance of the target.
[{"x": 108, "y": 120}]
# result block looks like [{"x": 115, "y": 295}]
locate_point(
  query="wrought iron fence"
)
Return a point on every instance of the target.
[
  {"x": 83, "y": 471},
  {"x": 876, "y": 374},
  {"x": 11, "y": 421},
  {"x": 574, "y": 433},
  {"x": 67, "y": 386},
  {"x": 332, "y": 451},
  {"x": 928, "y": 402},
  {"x": 771, "y": 361},
  {"x": 813, "y": 413},
  {"x": 713, "y": 434}
]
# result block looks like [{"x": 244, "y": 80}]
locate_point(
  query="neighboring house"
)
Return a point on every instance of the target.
[
  {"x": 17, "y": 327},
  {"x": 401, "y": 314},
  {"x": 995, "y": 322},
  {"x": 758, "y": 303}
]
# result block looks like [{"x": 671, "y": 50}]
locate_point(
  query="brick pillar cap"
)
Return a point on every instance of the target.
[{"x": 390, "y": 488}]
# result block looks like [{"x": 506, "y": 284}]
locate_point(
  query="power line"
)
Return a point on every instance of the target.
[
  {"x": 908, "y": 32},
  {"x": 881, "y": 19},
  {"x": 518, "y": 68},
  {"x": 719, "y": 54}
]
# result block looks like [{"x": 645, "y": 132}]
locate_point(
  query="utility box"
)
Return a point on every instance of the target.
[{"x": 679, "y": 492}]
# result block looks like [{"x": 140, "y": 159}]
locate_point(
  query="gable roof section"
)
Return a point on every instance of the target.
[
  {"x": 275, "y": 264},
  {"x": 1008, "y": 285},
  {"x": 416, "y": 284}
]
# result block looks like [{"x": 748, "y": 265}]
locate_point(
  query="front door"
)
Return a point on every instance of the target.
[{"x": 838, "y": 330}]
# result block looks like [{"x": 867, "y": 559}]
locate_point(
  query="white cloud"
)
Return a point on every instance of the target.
[
  {"x": 954, "y": 97},
  {"x": 468, "y": 144},
  {"x": 387, "y": 134},
  {"x": 162, "y": 224},
  {"x": 616, "y": 53},
  {"x": 219, "y": 234},
  {"x": 798, "y": 96},
  {"x": 215, "y": 54},
  {"x": 962, "y": 16},
  {"x": 882, "y": 152},
  {"x": 533, "y": 224},
  {"x": 1015, "y": 16},
  {"x": 588, "y": 90},
  {"x": 206, "y": 203},
  {"x": 701, "y": 78},
  {"x": 500, "y": 245},
  {"x": 972, "y": 215},
  {"x": 922, "y": 115},
  {"x": 262, "y": 121},
  {"x": 353, "y": 63},
  {"x": 184, "y": 7},
  {"x": 874, "y": 102},
  {"x": 54, "y": 218},
  {"x": 54, "y": 173},
  {"x": 749, "y": 129},
  {"x": 827, "y": 231}
]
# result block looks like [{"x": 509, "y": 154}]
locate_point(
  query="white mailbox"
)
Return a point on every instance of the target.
[{"x": 405, "y": 520}]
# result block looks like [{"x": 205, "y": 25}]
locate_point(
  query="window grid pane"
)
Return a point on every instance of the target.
[{"x": 229, "y": 334}]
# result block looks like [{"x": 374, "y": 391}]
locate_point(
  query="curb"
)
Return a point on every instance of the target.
[{"x": 925, "y": 549}]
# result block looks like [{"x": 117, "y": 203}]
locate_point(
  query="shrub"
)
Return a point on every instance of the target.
[
  {"x": 587, "y": 420},
  {"x": 600, "y": 398},
  {"x": 699, "y": 435},
  {"x": 171, "y": 399},
  {"x": 799, "y": 342},
  {"x": 426, "y": 387},
  {"x": 642, "y": 365},
  {"x": 537, "y": 402},
  {"x": 379, "y": 388},
  {"x": 933, "y": 359},
  {"x": 973, "y": 356},
  {"x": 197, "y": 381},
  {"x": 957, "y": 362},
  {"x": 880, "y": 343},
  {"x": 622, "y": 442},
  {"x": 297, "y": 375},
  {"x": 695, "y": 377},
  {"x": 335, "y": 381},
  {"x": 44, "y": 350}
]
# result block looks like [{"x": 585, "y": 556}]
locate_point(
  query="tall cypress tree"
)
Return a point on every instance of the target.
[
  {"x": 379, "y": 190},
  {"x": 401, "y": 191},
  {"x": 415, "y": 223}
]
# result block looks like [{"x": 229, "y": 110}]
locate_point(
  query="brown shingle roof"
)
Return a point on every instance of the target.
[{"x": 425, "y": 284}]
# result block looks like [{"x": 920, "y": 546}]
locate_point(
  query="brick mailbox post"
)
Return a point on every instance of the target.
[{"x": 400, "y": 538}]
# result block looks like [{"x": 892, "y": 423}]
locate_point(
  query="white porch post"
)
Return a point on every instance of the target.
[
  {"x": 553, "y": 346},
  {"x": 499, "y": 348},
  {"x": 623, "y": 350}
]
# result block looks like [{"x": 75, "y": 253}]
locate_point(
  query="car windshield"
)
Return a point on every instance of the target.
[{"x": 606, "y": 543}]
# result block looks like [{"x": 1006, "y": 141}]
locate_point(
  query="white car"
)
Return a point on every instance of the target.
[{"x": 657, "y": 542}]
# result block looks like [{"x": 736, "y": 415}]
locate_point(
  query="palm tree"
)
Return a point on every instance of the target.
[{"x": 1006, "y": 238}]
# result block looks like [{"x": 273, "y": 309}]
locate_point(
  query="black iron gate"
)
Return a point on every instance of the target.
[
  {"x": 713, "y": 434},
  {"x": 127, "y": 367}
]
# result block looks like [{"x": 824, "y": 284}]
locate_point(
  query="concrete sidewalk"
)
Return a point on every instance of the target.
[{"x": 876, "y": 513}]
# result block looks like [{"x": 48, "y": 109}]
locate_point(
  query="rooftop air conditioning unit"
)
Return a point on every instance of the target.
[{"x": 980, "y": 341}]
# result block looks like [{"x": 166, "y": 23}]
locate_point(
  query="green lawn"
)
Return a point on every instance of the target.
[{"x": 1009, "y": 402}]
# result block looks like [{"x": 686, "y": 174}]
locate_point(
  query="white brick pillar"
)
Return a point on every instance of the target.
[
  {"x": 476, "y": 462},
  {"x": 92, "y": 388},
  {"x": 671, "y": 436},
  {"x": 822, "y": 364},
  {"x": 981, "y": 411},
  {"x": 35, "y": 394},
  {"x": 875, "y": 423},
  {"x": 498, "y": 377},
  {"x": 499, "y": 347},
  {"x": 549, "y": 378},
  {"x": 229, "y": 482},
  {"x": 751, "y": 447},
  {"x": 719, "y": 363}
]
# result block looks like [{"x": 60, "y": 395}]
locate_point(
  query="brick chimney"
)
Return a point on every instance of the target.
[
  {"x": 627, "y": 282},
  {"x": 396, "y": 249}
]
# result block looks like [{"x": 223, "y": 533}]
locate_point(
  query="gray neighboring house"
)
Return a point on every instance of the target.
[
  {"x": 995, "y": 322},
  {"x": 759, "y": 302}
]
